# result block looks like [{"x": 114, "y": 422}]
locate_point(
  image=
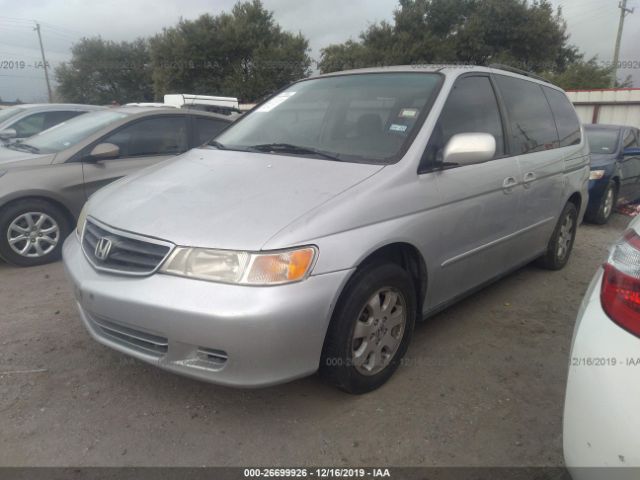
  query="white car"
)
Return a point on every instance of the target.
[{"x": 602, "y": 404}]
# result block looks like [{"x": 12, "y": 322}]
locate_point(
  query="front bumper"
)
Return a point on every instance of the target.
[
  {"x": 601, "y": 415},
  {"x": 232, "y": 335}
]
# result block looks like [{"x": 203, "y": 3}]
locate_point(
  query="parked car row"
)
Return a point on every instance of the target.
[
  {"x": 46, "y": 179},
  {"x": 615, "y": 169},
  {"x": 23, "y": 121},
  {"x": 314, "y": 232}
]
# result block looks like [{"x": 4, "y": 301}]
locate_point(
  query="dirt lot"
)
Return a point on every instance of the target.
[{"x": 483, "y": 384}]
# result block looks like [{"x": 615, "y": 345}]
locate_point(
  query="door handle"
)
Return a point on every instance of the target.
[
  {"x": 508, "y": 184},
  {"x": 528, "y": 178}
]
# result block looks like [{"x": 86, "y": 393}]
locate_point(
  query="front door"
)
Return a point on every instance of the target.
[
  {"x": 479, "y": 203},
  {"x": 142, "y": 143}
]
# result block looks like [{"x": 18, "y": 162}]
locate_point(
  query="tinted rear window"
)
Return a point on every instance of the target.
[
  {"x": 567, "y": 121},
  {"x": 532, "y": 125}
]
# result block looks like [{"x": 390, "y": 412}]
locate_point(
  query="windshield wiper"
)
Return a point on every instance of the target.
[
  {"x": 23, "y": 146},
  {"x": 295, "y": 149},
  {"x": 217, "y": 144}
]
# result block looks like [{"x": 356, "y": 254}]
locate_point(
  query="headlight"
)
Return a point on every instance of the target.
[
  {"x": 2, "y": 172},
  {"x": 596, "y": 174},
  {"x": 82, "y": 219},
  {"x": 247, "y": 268}
]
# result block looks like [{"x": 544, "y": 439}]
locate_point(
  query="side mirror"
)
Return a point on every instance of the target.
[
  {"x": 8, "y": 134},
  {"x": 469, "y": 148},
  {"x": 628, "y": 152},
  {"x": 104, "y": 151}
]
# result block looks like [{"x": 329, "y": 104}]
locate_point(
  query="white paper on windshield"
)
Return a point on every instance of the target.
[{"x": 275, "y": 101}]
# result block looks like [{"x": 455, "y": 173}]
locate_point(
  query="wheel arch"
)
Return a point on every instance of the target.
[
  {"x": 576, "y": 199},
  {"x": 43, "y": 198},
  {"x": 406, "y": 256}
]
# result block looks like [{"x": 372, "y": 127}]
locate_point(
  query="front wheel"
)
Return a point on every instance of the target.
[
  {"x": 371, "y": 328},
  {"x": 32, "y": 232},
  {"x": 607, "y": 204},
  {"x": 561, "y": 241}
]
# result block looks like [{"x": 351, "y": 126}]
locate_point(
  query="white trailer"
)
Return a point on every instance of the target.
[{"x": 186, "y": 100}]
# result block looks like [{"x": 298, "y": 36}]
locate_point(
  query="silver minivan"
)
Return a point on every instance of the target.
[{"x": 314, "y": 232}]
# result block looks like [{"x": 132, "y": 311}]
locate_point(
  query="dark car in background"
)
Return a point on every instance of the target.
[
  {"x": 23, "y": 121},
  {"x": 46, "y": 179},
  {"x": 615, "y": 169}
]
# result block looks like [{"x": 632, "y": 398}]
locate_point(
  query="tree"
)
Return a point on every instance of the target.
[
  {"x": 101, "y": 72},
  {"x": 519, "y": 33},
  {"x": 581, "y": 75},
  {"x": 243, "y": 54}
]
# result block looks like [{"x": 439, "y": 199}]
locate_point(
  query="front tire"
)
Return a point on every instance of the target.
[
  {"x": 606, "y": 207},
  {"x": 561, "y": 241},
  {"x": 370, "y": 329},
  {"x": 32, "y": 232}
]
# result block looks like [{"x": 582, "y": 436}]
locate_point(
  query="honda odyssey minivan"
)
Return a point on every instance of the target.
[{"x": 315, "y": 231}]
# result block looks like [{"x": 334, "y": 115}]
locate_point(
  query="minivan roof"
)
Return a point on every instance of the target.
[{"x": 447, "y": 69}]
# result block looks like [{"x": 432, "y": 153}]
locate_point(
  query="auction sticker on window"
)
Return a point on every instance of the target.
[
  {"x": 397, "y": 128},
  {"x": 275, "y": 101},
  {"x": 408, "y": 113}
]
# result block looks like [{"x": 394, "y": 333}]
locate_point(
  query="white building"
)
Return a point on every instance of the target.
[{"x": 618, "y": 106}]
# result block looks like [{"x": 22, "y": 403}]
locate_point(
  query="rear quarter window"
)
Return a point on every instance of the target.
[{"x": 565, "y": 116}]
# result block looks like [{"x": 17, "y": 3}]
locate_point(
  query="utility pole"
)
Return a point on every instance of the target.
[
  {"x": 616, "y": 53},
  {"x": 44, "y": 62}
]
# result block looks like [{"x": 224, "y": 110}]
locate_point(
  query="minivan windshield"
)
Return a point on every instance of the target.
[
  {"x": 69, "y": 133},
  {"x": 358, "y": 118},
  {"x": 602, "y": 140}
]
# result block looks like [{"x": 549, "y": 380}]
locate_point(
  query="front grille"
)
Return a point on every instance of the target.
[
  {"x": 129, "y": 254},
  {"x": 142, "y": 341}
]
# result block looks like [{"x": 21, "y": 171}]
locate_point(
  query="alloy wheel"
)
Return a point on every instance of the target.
[
  {"x": 608, "y": 203},
  {"x": 378, "y": 331},
  {"x": 33, "y": 234},
  {"x": 565, "y": 237}
]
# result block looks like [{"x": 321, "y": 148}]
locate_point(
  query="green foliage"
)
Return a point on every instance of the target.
[
  {"x": 102, "y": 71},
  {"x": 243, "y": 53},
  {"x": 582, "y": 75},
  {"x": 519, "y": 33}
]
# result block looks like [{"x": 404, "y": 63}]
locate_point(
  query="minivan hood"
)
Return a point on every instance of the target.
[
  {"x": 223, "y": 199},
  {"x": 9, "y": 156}
]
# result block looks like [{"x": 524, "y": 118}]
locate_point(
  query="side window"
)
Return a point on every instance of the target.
[
  {"x": 207, "y": 129},
  {"x": 566, "y": 118},
  {"x": 471, "y": 107},
  {"x": 153, "y": 136},
  {"x": 532, "y": 126},
  {"x": 630, "y": 140},
  {"x": 30, "y": 125},
  {"x": 54, "y": 118}
]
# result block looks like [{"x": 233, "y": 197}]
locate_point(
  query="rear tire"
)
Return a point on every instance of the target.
[
  {"x": 561, "y": 241},
  {"x": 32, "y": 232},
  {"x": 370, "y": 329},
  {"x": 606, "y": 207}
]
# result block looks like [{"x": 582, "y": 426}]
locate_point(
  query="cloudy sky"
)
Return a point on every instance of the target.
[{"x": 592, "y": 25}]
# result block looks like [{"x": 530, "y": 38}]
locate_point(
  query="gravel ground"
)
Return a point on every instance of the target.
[{"x": 482, "y": 385}]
